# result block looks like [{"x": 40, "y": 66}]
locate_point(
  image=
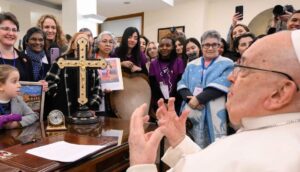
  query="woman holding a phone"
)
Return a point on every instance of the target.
[{"x": 55, "y": 38}]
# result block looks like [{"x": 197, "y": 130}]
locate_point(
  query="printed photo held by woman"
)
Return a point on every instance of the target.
[{"x": 105, "y": 43}]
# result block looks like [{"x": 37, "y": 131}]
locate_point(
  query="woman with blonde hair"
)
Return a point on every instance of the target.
[
  {"x": 151, "y": 52},
  {"x": 55, "y": 37}
]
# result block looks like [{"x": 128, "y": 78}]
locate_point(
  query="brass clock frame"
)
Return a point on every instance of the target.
[{"x": 56, "y": 127}]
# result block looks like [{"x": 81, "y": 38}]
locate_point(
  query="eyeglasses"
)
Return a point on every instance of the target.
[
  {"x": 241, "y": 68},
  {"x": 207, "y": 46},
  {"x": 8, "y": 29}
]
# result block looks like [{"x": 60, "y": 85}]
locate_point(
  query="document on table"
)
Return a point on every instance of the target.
[
  {"x": 63, "y": 151},
  {"x": 113, "y": 133}
]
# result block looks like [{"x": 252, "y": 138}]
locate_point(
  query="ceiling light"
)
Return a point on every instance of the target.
[
  {"x": 169, "y": 2},
  {"x": 95, "y": 18}
]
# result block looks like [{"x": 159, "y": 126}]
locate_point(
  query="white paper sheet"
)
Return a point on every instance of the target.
[{"x": 63, "y": 151}]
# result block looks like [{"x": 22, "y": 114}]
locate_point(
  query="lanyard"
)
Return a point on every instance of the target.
[
  {"x": 205, "y": 68},
  {"x": 3, "y": 61},
  {"x": 166, "y": 74}
]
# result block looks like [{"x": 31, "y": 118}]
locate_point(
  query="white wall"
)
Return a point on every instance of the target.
[
  {"x": 117, "y": 27},
  {"x": 27, "y": 13},
  {"x": 219, "y": 14},
  {"x": 189, "y": 14},
  {"x": 200, "y": 15}
]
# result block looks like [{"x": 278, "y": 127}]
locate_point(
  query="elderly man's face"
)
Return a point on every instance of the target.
[{"x": 250, "y": 88}]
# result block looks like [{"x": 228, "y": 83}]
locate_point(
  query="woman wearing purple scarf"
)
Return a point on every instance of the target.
[{"x": 165, "y": 72}]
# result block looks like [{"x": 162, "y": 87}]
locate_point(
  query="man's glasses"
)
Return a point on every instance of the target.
[
  {"x": 207, "y": 46},
  {"x": 240, "y": 68},
  {"x": 8, "y": 29}
]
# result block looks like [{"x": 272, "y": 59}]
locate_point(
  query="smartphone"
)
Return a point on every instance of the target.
[
  {"x": 54, "y": 53},
  {"x": 240, "y": 9}
]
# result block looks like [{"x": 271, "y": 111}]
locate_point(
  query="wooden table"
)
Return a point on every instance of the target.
[{"x": 113, "y": 158}]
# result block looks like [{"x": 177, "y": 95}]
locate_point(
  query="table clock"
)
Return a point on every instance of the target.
[{"x": 56, "y": 121}]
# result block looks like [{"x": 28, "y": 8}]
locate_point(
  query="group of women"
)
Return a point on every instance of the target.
[{"x": 194, "y": 73}]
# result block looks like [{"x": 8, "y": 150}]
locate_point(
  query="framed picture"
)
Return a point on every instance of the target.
[
  {"x": 32, "y": 94},
  {"x": 111, "y": 77},
  {"x": 169, "y": 31}
]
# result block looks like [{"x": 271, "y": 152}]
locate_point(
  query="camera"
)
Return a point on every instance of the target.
[
  {"x": 173, "y": 29},
  {"x": 279, "y": 10}
]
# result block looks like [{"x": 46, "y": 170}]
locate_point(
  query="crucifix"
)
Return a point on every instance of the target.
[{"x": 83, "y": 115}]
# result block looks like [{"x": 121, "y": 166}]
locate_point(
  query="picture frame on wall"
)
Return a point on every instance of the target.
[
  {"x": 170, "y": 31},
  {"x": 34, "y": 96}
]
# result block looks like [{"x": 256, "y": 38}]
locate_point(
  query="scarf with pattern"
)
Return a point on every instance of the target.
[{"x": 37, "y": 64}]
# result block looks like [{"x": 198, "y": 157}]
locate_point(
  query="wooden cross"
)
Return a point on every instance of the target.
[{"x": 82, "y": 63}]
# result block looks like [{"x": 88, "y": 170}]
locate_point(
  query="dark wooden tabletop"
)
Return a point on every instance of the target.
[{"x": 93, "y": 134}]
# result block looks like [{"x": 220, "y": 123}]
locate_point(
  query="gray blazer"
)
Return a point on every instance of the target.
[{"x": 18, "y": 106}]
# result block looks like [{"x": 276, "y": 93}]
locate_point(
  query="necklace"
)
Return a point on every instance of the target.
[
  {"x": 275, "y": 125},
  {"x": 3, "y": 61}
]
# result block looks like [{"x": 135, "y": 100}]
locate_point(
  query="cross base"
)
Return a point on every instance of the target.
[{"x": 83, "y": 116}]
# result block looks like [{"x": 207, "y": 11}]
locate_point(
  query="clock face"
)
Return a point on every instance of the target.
[{"x": 56, "y": 117}]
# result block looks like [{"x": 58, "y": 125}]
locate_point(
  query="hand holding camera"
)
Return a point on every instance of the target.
[
  {"x": 282, "y": 13},
  {"x": 238, "y": 15}
]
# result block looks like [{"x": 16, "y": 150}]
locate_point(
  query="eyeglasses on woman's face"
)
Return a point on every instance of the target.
[
  {"x": 213, "y": 45},
  {"x": 8, "y": 29}
]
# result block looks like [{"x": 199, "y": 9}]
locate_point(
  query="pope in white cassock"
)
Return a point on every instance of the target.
[{"x": 264, "y": 101}]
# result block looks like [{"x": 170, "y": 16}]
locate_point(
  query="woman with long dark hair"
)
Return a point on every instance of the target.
[{"x": 132, "y": 59}]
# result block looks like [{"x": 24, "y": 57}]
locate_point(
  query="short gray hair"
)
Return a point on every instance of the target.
[
  {"x": 210, "y": 34},
  {"x": 99, "y": 38}
]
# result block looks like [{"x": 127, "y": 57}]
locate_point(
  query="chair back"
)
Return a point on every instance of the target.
[{"x": 136, "y": 92}]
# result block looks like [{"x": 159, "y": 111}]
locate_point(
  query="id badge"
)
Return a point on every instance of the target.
[
  {"x": 164, "y": 89},
  {"x": 197, "y": 91}
]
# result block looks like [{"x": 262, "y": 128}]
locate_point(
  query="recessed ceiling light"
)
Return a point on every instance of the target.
[{"x": 126, "y": 2}]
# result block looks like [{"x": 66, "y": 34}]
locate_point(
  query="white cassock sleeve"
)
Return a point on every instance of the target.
[
  {"x": 186, "y": 147},
  {"x": 171, "y": 157},
  {"x": 143, "y": 168}
]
